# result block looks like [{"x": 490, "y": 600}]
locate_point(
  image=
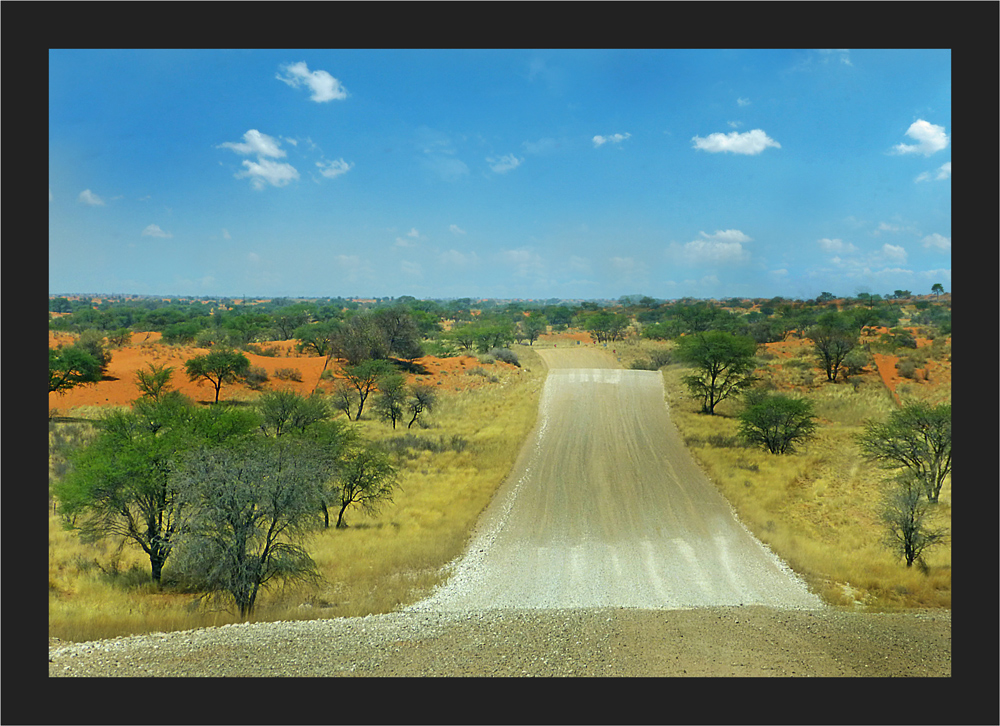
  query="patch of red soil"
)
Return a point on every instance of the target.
[
  {"x": 788, "y": 348},
  {"x": 567, "y": 336},
  {"x": 886, "y": 366},
  {"x": 118, "y": 387},
  {"x": 934, "y": 374}
]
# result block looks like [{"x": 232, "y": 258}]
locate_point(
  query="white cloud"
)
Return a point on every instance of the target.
[
  {"x": 88, "y": 197},
  {"x": 265, "y": 171},
  {"x": 724, "y": 247},
  {"x": 225, "y": 233},
  {"x": 836, "y": 246},
  {"x": 893, "y": 253},
  {"x": 749, "y": 142},
  {"x": 844, "y": 54},
  {"x": 331, "y": 169},
  {"x": 613, "y": 139},
  {"x": 930, "y": 138},
  {"x": 50, "y": 195},
  {"x": 254, "y": 142},
  {"x": 937, "y": 241},
  {"x": 742, "y": 101},
  {"x": 504, "y": 163},
  {"x": 579, "y": 264},
  {"x": 455, "y": 229},
  {"x": 727, "y": 235},
  {"x": 324, "y": 87},
  {"x": 413, "y": 234},
  {"x": 525, "y": 261},
  {"x": 943, "y": 172},
  {"x": 154, "y": 231}
]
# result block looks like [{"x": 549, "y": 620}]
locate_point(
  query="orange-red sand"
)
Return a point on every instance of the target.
[
  {"x": 118, "y": 387},
  {"x": 935, "y": 373}
]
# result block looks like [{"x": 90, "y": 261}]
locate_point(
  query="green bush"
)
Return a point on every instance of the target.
[
  {"x": 506, "y": 355},
  {"x": 288, "y": 374},
  {"x": 256, "y": 377},
  {"x": 776, "y": 422},
  {"x": 907, "y": 367}
]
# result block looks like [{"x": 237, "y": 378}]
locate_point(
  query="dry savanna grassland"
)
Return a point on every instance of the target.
[
  {"x": 816, "y": 508},
  {"x": 450, "y": 464}
]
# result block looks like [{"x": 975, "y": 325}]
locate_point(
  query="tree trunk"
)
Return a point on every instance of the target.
[
  {"x": 156, "y": 562},
  {"x": 340, "y": 517}
]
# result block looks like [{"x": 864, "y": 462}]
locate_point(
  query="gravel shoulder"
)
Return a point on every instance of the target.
[{"x": 751, "y": 641}]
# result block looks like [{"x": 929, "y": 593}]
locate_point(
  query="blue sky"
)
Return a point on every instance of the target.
[{"x": 579, "y": 174}]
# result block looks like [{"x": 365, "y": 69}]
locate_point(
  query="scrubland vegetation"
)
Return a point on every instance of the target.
[
  {"x": 449, "y": 465},
  {"x": 817, "y": 506}
]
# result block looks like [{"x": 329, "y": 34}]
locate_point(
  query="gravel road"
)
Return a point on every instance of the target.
[
  {"x": 607, "y": 552},
  {"x": 606, "y": 508}
]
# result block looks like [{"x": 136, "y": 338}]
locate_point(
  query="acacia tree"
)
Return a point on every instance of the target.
[
  {"x": 360, "y": 339},
  {"x": 218, "y": 367},
  {"x": 155, "y": 382},
  {"x": 70, "y": 367},
  {"x": 250, "y": 507},
  {"x": 119, "y": 485},
  {"x": 364, "y": 378},
  {"x": 607, "y": 327},
  {"x": 285, "y": 411},
  {"x": 534, "y": 326},
  {"x": 776, "y": 422},
  {"x": 422, "y": 398},
  {"x": 401, "y": 332},
  {"x": 464, "y": 336},
  {"x": 725, "y": 364},
  {"x": 392, "y": 398},
  {"x": 905, "y": 514},
  {"x": 832, "y": 340},
  {"x": 916, "y": 438},
  {"x": 367, "y": 479},
  {"x": 316, "y": 338}
]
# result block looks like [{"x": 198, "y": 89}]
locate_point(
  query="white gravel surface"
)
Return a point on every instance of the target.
[{"x": 606, "y": 508}]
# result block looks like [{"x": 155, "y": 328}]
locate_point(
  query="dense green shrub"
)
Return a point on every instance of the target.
[{"x": 506, "y": 355}]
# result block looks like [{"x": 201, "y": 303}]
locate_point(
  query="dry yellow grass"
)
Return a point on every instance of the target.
[
  {"x": 376, "y": 565},
  {"x": 817, "y": 508}
]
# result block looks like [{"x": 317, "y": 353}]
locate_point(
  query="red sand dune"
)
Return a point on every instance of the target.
[{"x": 119, "y": 389}]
